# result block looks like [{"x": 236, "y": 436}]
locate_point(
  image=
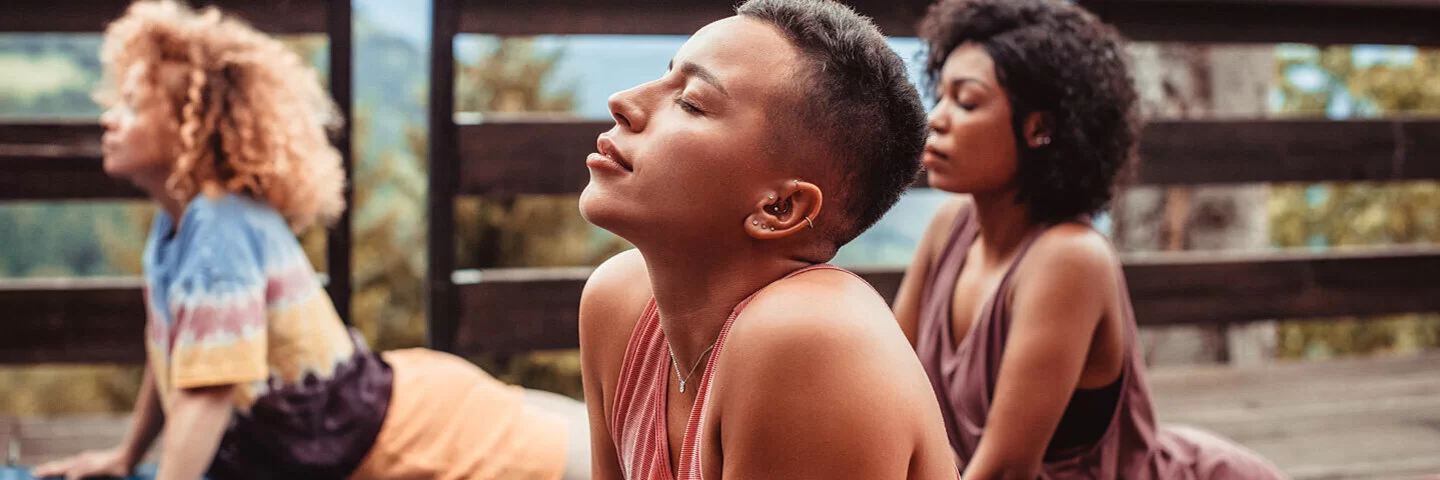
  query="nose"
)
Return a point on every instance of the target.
[
  {"x": 625, "y": 107},
  {"x": 939, "y": 120},
  {"x": 109, "y": 119}
]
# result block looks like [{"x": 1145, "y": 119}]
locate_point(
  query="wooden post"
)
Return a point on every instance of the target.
[
  {"x": 338, "y": 241},
  {"x": 444, "y": 178}
]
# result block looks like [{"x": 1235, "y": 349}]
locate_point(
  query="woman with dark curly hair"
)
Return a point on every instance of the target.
[{"x": 1015, "y": 304}]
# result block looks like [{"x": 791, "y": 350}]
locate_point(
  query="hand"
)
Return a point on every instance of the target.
[{"x": 100, "y": 463}]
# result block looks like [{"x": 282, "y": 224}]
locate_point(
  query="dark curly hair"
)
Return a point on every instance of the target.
[
  {"x": 1059, "y": 59},
  {"x": 855, "y": 97}
]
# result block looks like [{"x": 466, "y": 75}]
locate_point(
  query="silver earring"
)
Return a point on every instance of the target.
[
  {"x": 754, "y": 222},
  {"x": 1043, "y": 140},
  {"x": 772, "y": 196}
]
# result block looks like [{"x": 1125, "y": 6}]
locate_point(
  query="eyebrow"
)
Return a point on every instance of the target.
[
  {"x": 702, "y": 73},
  {"x": 958, "y": 82}
]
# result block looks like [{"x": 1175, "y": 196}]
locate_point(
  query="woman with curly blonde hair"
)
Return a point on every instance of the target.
[{"x": 251, "y": 373}]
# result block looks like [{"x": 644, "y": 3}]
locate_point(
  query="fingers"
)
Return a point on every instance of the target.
[
  {"x": 52, "y": 469},
  {"x": 83, "y": 467}
]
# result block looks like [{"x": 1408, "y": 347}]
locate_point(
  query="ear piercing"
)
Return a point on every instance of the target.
[
  {"x": 781, "y": 209},
  {"x": 1045, "y": 140}
]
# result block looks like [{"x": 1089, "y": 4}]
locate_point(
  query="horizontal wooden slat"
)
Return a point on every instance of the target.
[
  {"x": 548, "y": 157},
  {"x": 1246, "y": 21},
  {"x": 72, "y": 320},
  {"x": 1398, "y": 22},
  {"x": 61, "y": 160},
  {"x": 526, "y": 157},
  {"x": 644, "y": 17},
  {"x": 1216, "y": 151},
  {"x": 514, "y": 310},
  {"x": 56, "y": 161},
  {"x": 272, "y": 16}
]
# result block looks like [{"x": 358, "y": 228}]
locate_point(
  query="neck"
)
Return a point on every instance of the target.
[
  {"x": 1003, "y": 223},
  {"x": 155, "y": 188},
  {"x": 695, "y": 294}
]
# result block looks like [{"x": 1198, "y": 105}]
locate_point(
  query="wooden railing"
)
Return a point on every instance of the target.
[
  {"x": 101, "y": 320},
  {"x": 515, "y": 310}
]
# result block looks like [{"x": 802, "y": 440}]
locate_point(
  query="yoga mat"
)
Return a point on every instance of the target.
[{"x": 145, "y": 472}]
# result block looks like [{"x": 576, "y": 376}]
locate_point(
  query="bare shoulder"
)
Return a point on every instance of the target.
[
  {"x": 613, "y": 298},
  {"x": 825, "y": 301},
  {"x": 951, "y": 208},
  {"x": 619, "y": 283},
  {"x": 831, "y": 331},
  {"x": 1071, "y": 254},
  {"x": 945, "y": 217},
  {"x": 816, "y": 365}
]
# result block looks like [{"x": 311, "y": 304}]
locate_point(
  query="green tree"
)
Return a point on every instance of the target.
[{"x": 1352, "y": 214}]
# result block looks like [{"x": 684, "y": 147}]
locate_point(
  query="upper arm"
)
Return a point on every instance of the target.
[
  {"x": 912, "y": 286},
  {"x": 1059, "y": 297},
  {"x": 607, "y": 307},
  {"x": 217, "y": 307},
  {"x": 826, "y": 395}
]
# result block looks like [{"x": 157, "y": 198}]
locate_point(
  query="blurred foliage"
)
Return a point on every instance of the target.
[
  {"x": 1354, "y": 214},
  {"x": 513, "y": 77},
  {"x": 389, "y": 272}
]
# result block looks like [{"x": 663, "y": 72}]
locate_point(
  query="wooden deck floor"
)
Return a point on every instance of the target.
[{"x": 1367, "y": 418}]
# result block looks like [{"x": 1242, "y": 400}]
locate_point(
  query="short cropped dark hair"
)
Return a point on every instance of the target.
[
  {"x": 1059, "y": 59},
  {"x": 855, "y": 96}
]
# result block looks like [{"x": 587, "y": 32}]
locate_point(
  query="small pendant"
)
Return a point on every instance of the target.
[{"x": 682, "y": 386}]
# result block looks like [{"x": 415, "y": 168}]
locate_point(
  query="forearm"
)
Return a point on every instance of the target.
[
  {"x": 987, "y": 468},
  {"x": 197, "y": 422},
  {"x": 146, "y": 420}
]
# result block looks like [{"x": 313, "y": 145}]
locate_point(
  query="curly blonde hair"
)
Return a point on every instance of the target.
[{"x": 252, "y": 116}]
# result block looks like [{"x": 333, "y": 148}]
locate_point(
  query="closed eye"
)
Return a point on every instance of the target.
[{"x": 688, "y": 107}]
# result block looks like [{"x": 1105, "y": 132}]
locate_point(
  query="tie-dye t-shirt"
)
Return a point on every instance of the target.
[{"x": 233, "y": 300}]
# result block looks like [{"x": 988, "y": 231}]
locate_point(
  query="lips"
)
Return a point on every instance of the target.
[
  {"x": 607, "y": 150},
  {"x": 933, "y": 154}
]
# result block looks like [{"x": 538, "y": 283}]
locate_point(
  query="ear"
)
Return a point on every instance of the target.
[
  {"x": 1037, "y": 129},
  {"x": 788, "y": 209}
]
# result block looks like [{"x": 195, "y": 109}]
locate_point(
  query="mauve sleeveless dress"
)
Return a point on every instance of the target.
[{"x": 1133, "y": 446}]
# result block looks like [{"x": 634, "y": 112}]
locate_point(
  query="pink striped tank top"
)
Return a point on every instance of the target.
[{"x": 638, "y": 422}]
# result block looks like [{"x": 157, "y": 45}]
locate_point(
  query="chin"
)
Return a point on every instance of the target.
[
  {"x": 947, "y": 183},
  {"x": 116, "y": 169},
  {"x": 604, "y": 210}
]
